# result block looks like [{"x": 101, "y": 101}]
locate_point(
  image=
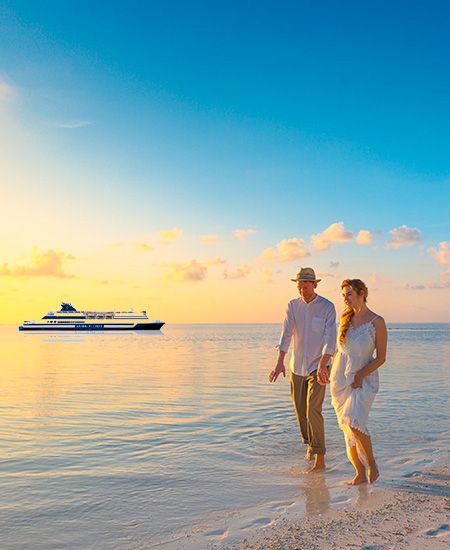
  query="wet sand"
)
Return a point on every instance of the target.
[{"x": 412, "y": 514}]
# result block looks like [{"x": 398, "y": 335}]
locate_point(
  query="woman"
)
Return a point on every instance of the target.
[{"x": 354, "y": 376}]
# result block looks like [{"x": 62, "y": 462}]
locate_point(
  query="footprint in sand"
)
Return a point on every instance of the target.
[
  {"x": 218, "y": 534},
  {"x": 444, "y": 529},
  {"x": 261, "y": 521}
]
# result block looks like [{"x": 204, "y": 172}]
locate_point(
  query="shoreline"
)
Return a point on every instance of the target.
[{"x": 415, "y": 514}]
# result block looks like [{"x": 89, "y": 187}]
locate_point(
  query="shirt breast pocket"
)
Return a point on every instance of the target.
[{"x": 318, "y": 324}]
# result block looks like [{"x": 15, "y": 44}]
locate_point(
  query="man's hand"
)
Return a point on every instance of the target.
[
  {"x": 357, "y": 382},
  {"x": 275, "y": 373},
  {"x": 323, "y": 375}
]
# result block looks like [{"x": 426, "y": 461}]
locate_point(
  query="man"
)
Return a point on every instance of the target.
[{"x": 311, "y": 319}]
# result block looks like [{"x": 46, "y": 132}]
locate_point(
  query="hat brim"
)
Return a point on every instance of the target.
[{"x": 306, "y": 280}]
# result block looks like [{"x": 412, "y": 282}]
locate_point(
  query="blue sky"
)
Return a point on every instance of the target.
[{"x": 212, "y": 116}]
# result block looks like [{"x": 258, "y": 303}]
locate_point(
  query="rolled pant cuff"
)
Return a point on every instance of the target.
[{"x": 317, "y": 450}]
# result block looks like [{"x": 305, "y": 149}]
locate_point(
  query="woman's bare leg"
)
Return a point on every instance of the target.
[
  {"x": 360, "y": 475},
  {"x": 365, "y": 443}
]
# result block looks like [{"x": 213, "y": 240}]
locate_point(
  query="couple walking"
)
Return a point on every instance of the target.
[{"x": 351, "y": 369}]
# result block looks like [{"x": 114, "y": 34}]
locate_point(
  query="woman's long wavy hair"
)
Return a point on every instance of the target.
[{"x": 361, "y": 289}]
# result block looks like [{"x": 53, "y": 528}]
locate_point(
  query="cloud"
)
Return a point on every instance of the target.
[
  {"x": 444, "y": 280},
  {"x": 143, "y": 247},
  {"x": 187, "y": 272},
  {"x": 42, "y": 264},
  {"x": 266, "y": 275},
  {"x": 240, "y": 273},
  {"x": 215, "y": 261},
  {"x": 334, "y": 265},
  {"x": 364, "y": 237},
  {"x": 209, "y": 239},
  {"x": 285, "y": 251},
  {"x": 442, "y": 253},
  {"x": 74, "y": 124},
  {"x": 170, "y": 235},
  {"x": 7, "y": 92},
  {"x": 242, "y": 234},
  {"x": 335, "y": 233},
  {"x": 443, "y": 283},
  {"x": 404, "y": 236},
  {"x": 407, "y": 286}
]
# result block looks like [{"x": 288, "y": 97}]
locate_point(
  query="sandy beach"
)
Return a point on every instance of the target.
[{"x": 414, "y": 514}]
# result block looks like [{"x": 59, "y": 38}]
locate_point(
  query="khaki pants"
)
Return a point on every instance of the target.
[{"x": 308, "y": 395}]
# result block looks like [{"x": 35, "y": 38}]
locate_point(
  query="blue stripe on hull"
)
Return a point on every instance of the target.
[{"x": 86, "y": 328}]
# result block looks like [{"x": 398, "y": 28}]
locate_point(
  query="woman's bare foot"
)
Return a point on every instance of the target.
[
  {"x": 308, "y": 455},
  {"x": 373, "y": 473},
  {"x": 359, "y": 478}
]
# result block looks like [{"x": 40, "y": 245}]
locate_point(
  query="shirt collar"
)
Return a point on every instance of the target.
[{"x": 311, "y": 302}]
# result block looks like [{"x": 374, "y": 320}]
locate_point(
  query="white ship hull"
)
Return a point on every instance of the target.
[{"x": 68, "y": 318}]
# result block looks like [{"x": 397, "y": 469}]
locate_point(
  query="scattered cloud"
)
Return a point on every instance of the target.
[
  {"x": 334, "y": 265},
  {"x": 335, "y": 233},
  {"x": 242, "y": 234},
  {"x": 74, "y": 124},
  {"x": 407, "y": 286},
  {"x": 143, "y": 247},
  {"x": 187, "y": 272},
  {"x": 444, "y": 280},
  {"x": 443, "y": 283},
  {"x": 364, "y": 237},
  {"x": 42, "y": 264},
  {"x": 442, "y": 253},
  {"x": 285, "y": 251},
  {"x": 240, "y": 273},
  {"x": 215, "y": 261},
  {"x": 266, "y": 275},
  {"x": 209, "y": 239},
  {"x": 170, "y": 235},
  {"x": 404, "y": 236}
]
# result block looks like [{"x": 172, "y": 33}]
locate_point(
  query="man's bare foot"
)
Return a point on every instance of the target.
[
  {"x": 316, "y": 468},
  {"x": 308, "y": 455},
  {"x": 373, "y": 473},
  {"x": 358, "y": 479},
  {"x": 319, "y": 465}
]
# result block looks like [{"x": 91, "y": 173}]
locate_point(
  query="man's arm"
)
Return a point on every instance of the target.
[
  {"x": 283, "y": 345},
  {"x": 330, "y": 335}
]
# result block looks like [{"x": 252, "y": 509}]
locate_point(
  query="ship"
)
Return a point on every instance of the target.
[{"x": 69, "y": 318}]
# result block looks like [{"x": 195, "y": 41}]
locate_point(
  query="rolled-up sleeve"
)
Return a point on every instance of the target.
[
  {"x": 288, "y": 329},
  {"x": 330, "y": 335}
]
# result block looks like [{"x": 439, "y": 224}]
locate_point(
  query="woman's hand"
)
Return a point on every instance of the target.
[{"x": 357, "y": 381}]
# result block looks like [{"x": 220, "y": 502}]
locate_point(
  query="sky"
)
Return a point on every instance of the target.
[{"x": 188, "y": 158}]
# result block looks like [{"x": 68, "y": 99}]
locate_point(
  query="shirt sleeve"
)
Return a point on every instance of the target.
[
  {"x": 330, "y": 332},
  {"x": 288, "y": 329}
]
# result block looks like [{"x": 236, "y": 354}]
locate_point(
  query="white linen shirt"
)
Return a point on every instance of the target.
[{"x": 313, "y": 325}]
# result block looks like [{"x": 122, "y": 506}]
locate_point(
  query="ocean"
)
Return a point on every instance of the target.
[{"x": 175, "y": 439}]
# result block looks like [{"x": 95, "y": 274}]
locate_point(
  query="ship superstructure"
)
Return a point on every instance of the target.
[{"x": 69, "y": 318}]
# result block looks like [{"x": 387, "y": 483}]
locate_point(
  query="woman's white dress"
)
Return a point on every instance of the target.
[{"x": 352, "y": 406}]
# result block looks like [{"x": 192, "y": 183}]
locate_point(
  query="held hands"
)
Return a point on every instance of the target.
[
  {"x": 275, "y": 373},
  {"x": 323, "y": 375}
]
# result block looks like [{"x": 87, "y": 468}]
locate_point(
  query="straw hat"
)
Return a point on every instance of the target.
[{"x": 306, "y": 274}]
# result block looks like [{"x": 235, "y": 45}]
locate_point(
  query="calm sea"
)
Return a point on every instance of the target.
[{"x": 176, "y": 439}]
